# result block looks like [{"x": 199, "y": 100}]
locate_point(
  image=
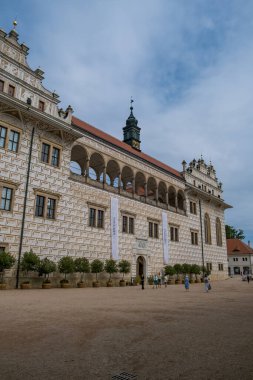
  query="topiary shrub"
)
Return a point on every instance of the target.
[
  {"x": 124, "y": 267},
  {"x": 30, "y": 262},
  {"x": 66, "y": 265},
  {"x": 111, "y": 267},
  {"x": 82, "y": 265},
  {"x": 97, "y": 266},
  {"x": 6, "y": 262},
  {"x": 46, "y": 267}
]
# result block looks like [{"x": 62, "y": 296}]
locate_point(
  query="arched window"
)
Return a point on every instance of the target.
[
  {"x": 180, "y": 200},
  {"x": 207, "y": 225},
  {"x": 218, "y": 232}
]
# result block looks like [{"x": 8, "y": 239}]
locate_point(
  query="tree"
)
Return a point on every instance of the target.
[
  {"x": 97, "y": 266},
  {"x": 186, "y": 268},
  {"x": 66, "y": 265},
  {"x": 6, "y": 262},
  {"x": 233, "y": 233},
  {"x": 124, "y": 267},
  {"x": 111, "y": 267},
  {"x": 46, "y": 267},
  {"x": 195, "y": 269},
  {"x": 30, "y": 262},
  {"x": 169, "y": 270},
  {"x": 82, "y": 266}
]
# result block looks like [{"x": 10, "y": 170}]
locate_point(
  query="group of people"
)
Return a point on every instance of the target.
[{"x": 157, "y": 281}]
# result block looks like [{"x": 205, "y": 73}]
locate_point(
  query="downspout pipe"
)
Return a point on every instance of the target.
[{"x": 201, "y": 232}]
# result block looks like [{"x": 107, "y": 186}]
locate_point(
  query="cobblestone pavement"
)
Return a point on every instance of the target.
[{"x": 165, "y": 333}]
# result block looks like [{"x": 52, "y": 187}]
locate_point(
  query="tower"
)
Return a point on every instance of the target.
[{"x": 132, "y": 131}]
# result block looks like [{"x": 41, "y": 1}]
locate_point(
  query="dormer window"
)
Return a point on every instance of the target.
[
  {"x": 1, "y": 85},
  {"x": 41, "y": 106},
  {"x": 11, "y": 90}
]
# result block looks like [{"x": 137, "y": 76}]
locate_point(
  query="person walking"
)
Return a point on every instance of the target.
[
  {"x": 248, "y": 278},
  {"x": 159, "y": 280},
  {"x": 207, "y": 283},
  {"x": 142, "y": 281},
  {"x": 155, "y": 281},
  {"x": 187, "y": 283},
  {"x": 165, "y": 280}
]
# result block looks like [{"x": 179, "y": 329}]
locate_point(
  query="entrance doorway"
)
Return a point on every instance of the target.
[{"x": 140, "y": 266}]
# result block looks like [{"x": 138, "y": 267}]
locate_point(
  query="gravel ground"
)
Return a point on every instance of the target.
[{"x": 165, "y": 333}]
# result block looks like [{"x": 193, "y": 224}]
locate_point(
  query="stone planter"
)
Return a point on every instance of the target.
[
  {"x": 122, "y": 283},
  {"x": 171, "y": 281},
  {"x": 65, "y": 285},
  {"x": 46, "y": 285},
  {"x": 25, "y": 286},
  {"x": 109, "y": 284},
  {"x": 178, "y": 281},
  {"x": 96, "y": 284},
  {"x": 81, "y": 285},
  {"x": 3, "y": 286}
]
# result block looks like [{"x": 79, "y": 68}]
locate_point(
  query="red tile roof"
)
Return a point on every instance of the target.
[
  {"x": 236, "y": 246},
  {"x": 120, "y": 144}
]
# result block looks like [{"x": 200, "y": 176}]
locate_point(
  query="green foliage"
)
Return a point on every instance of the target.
[
  {"x": 6, "y": 262},
  {"x": 178, "y": 268},
  {"x": 150, "y": 280},
  {"x": 46, "y": 266},
  {"x": 82, "y": 265},
  {"x": 195, "y": 269},
  {"x": 66, "y": 265},
  {"x": 137, "y": 279},
  {"x": 233, "y": 233},
  {"x": 186, "y": 268},
  {"x": 169, "y": 270},
  {"x": 204, "y": 270},
  {"x": 97, "y": 266},
  {"x": 30, "y": 262},
  {"x": 124, "y": 267},
  {"x": 111, "y": 267}
]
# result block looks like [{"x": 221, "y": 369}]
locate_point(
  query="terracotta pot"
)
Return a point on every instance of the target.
[
  {"x": 46, "y": 285},
  {"x": 3, "y": 286},
  {"x": 25, "y": 286},
  {"x": 109, "y": 284},
  {"x": 81, "y": 285},
  {"x": 122, "y": 283},
  {"x": 96, "y": 284},
  {"x": 65, "y": 285}
]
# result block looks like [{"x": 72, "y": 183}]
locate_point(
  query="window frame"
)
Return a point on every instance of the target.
[
  {"x": 128, "y": 223},
  {"x": 10, "y": 128},
  {"x": 174, "y": 233},
  {"x": 193, "y": 207},
  {"x": 41, "y": 106},
  {"x": 220, "y": 267},
  {"x": 97, "y": 221},
  {"x": 52, "y": 146},
  {"x": 153, "y": 228},
  {"x": 47, "y": 196},
  {"x": 10, "y": 185},
  {"x": 2, "y": 82},
  {"x": 11, "y": 90},
  {"x": 194, "y": 237}
]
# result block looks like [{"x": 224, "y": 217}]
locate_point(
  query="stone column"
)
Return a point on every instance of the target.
[
  {"x": 87, "y": 168},
  {"x": 133, "y": 187},
  {"x": 119, "y": 183},
  {"x": 145, "y": 190},
  {"x": 156, "y": 195},
  {"x": 104, "y": 177}
]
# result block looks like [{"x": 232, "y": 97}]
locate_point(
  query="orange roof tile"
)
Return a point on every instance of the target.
[
  {"x": 236, "y": 246},
  {"x": 120, "y": 144}
]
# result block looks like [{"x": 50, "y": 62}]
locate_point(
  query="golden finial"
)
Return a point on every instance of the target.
[{"x": 15, "y": 23}]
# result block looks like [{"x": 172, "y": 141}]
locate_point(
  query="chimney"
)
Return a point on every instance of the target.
[{"x": 249, "y": 243}]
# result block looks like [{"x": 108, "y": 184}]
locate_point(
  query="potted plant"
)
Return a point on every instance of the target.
[
  {"x": 29, "y": 263},
  {"x": 82, "y": 266},
  {"x": 124, "y": 268},
  {"x": 195, "y": 270},
  {"x": 46, "y": 267},
  {"x": 66, "y": 265},
  {"x": 6, "y": 262},
  {"x": 178, "y": 269},
  {"x": 97, "y": 266},
  {"x": 110, "y": 267},
  {"x": 170, "y": 271}
]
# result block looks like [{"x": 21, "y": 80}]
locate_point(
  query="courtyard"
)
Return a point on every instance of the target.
[{"x": 165, "y": 333}]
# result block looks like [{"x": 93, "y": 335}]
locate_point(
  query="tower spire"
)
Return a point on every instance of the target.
[{"x": 131, "y": 130}]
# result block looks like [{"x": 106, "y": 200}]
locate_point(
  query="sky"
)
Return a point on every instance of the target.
[{"x": 186, "y": 63}]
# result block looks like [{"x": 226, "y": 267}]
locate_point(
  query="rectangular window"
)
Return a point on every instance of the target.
[
  {"x": 51, "y": 208},
  {"x": 3, "y": 134},
  {"x": 124, "y": 224},
  {"x": 55, "y": 156},
  {"x": 127, "y": 224},
  {"x": 193, "y": 208},
  {"x": 11, "y": 90},
  {"x": 220, "y": 266},
  {"x": 209, "y": 267},
  {"x": 6, "y": 198},
  {"x": 2, "y": 249},
  {"x": 1, "y": 85},
  {"x": 100, "y": 218},
  {"x": 174, "y": 234},
  {"x": 92, "y": 221},
  {"x": 150, "y": 229},
  {"x": 40, "y": 202},
  {"x": 41, "y": 106},
  {"x": 13, "y": 141},
  {"x": 131, "y": 226},
  {"x": 153, "y": 230},
  {"x": 194, "y": 238},
  {"x": 50, "y": 154},
  {"x": 45, "y": 152}
]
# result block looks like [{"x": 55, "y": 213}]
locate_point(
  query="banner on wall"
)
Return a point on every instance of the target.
[
  {"x": 165, "y": 238},
  {"x": 114, "y": 228}
]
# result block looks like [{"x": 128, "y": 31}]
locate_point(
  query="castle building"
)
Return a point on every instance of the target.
[{"x": 68, "y": 188}]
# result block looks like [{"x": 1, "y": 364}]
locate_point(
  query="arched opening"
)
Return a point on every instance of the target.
[
  {"x": 140, "y": 184},
  {"x": 96, "y": 168},
  {"x": 141, "y": 266},
  {"x": 127, "y": 176},
  {"x": 112, "y": 171},
  {"x": 207, "y": 227},
  {"x": 162, "y": 192},
  {"x": 218, "y": 232},
  {"x": 172, "y": 196},
  {"x": 78, "y": 160},
  {"x": 180, "y": 200},
  {"x": 151, "y": 188}
]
